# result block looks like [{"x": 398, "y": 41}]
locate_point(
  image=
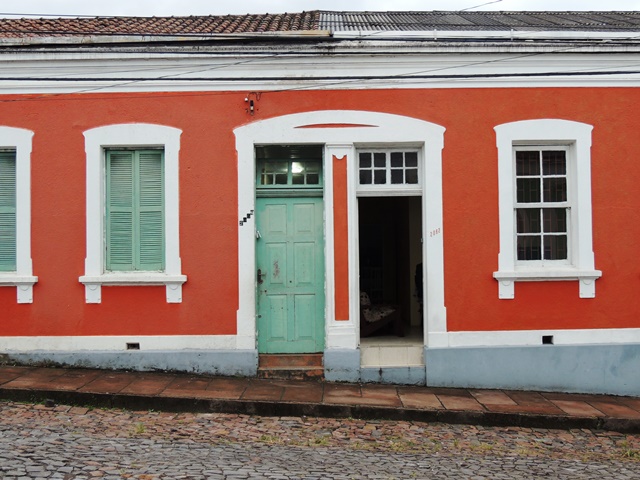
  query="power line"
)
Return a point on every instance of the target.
[
  {"x": 173, "y": 77},
  {"x": 407, "y": 76},
  {"x": 336, "y": 80},
  {"x": 478, "y": 6}
]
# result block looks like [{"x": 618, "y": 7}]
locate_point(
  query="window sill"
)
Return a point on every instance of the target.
[
  {"x": 23, "y": 282},
  {"x": 93, "y": 283},
  {"x": 586, "y": 278}
]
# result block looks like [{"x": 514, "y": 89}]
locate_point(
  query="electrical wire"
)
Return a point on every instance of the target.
[
  {"x": 319, "y": 80},
  {"x": 478, "y": 6},
  {"x": 321, "y": 77}
]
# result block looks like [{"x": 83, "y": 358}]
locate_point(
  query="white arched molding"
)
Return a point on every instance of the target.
[
  {"x": 136, "y": 135},
  {"x": 576, "y": 138},
  {"x": 341, "y": 132},
  {"x": 20, "y": 140}
]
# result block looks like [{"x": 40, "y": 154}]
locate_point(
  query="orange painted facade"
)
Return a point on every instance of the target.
[
  {"x": 208, "y": 207},
  {"x": 341, "y": 237}
]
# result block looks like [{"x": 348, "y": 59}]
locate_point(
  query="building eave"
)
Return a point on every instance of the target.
[{"x": 99, "y": 40}]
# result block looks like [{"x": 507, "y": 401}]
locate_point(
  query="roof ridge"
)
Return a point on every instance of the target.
[{"x": 315, "y": 20}]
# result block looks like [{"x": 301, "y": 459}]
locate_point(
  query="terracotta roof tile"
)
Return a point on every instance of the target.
[
  {"x": 201, "y": 25},
  {"x": 319, "y": 20}
]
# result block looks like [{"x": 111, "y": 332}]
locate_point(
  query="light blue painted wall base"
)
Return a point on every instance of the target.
[
  {"x": 607, "y": 369},
  {"x": 218, "y": 362},
  {"x": 342, "y": 365},
  {"x": 397, "y": 375}
]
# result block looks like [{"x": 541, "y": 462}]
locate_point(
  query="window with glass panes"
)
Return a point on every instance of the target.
[
  {"x": 293, "y": 173},
  {"x": 390, "y": 167},
  {"x": 542, "y": 208}
]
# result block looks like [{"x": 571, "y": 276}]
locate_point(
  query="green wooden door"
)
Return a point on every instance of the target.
[{"x": 290, "y": 260}]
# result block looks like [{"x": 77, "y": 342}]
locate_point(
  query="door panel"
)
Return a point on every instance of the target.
[
  {"x": 305, "y": 307},
  {"x": 277, "y": 308},
  {"x": 290, "y": 290},
  {"x": 304, "y": 258},
  {"x": 277, "y": 259}
]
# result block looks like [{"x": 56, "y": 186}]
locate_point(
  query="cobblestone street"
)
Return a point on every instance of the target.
[{"x": 74, "y": 443}]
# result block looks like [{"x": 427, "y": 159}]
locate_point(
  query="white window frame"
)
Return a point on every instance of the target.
[
  {"x": 373, "y": 189},
  {"x": 138, "y": 135},
  {"x": 576, "y": 138},
  {"x": 20, "y": 140},
  {"x": 542, "y": 204}
]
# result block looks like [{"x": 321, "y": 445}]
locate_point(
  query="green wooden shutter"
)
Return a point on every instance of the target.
[
  {"x": 7, "y": 211},
  {"x": 151, "y": 211},
  {"x": 120, "y": 211},
  {"x": 135, "y": 210}
]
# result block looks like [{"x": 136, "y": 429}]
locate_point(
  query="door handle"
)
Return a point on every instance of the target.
[{"x": 260, "y": 280}]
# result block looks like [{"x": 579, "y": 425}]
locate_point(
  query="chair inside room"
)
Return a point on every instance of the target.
[{"x": 374, "y": 317}]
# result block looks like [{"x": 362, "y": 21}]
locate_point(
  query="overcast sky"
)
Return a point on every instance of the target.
[{"x": 220, "y": 7}]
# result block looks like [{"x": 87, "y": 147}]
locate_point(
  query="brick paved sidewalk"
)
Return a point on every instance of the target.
[{"x": 199, "y": 393}]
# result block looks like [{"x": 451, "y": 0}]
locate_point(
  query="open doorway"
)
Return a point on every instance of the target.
[{"x": 390, "y": 261}]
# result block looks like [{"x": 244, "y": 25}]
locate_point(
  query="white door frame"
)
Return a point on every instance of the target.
[{"x": 341, "y": 131}]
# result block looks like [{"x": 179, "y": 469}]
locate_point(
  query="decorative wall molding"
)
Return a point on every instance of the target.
[
  {"x": 576, "y": 137},
  {"x": 340, "y": 131},
  {"x": 292, "y": 68},
  {"x": 131, "y": 135},
  {"x": 20, "y": 140}
]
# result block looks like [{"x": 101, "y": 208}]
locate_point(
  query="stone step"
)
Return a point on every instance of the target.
[
  {"x": 291, "y": 366},
  {"x": 291, "y": 373},
  {"x": 278, "y": 360}
]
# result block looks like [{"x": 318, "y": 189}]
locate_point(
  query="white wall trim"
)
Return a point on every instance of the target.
[
  {"x": 503, "y": 66},
  {"x": 578, "y": 138},
  {"x": 131, "y": 135},
  {"x": 117, "y": 343},
  {"x": 508, "y": 338},
  {"x": 339, "y": 332},
  {"x": 356, "y": 128},
  {"x": 20, "y": 140},
  {"x": 435, "y": 313}
]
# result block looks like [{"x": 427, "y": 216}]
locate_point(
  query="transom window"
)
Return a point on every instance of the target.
[
  {"x": 542, "y": 207},
  {"x": 289, "y": 167},
  {"x": 388, "y": 167},
  {"x": 289, "y": 172}
]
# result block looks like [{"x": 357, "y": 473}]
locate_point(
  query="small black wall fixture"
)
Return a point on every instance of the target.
[{"x": 250, "y": 100}]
